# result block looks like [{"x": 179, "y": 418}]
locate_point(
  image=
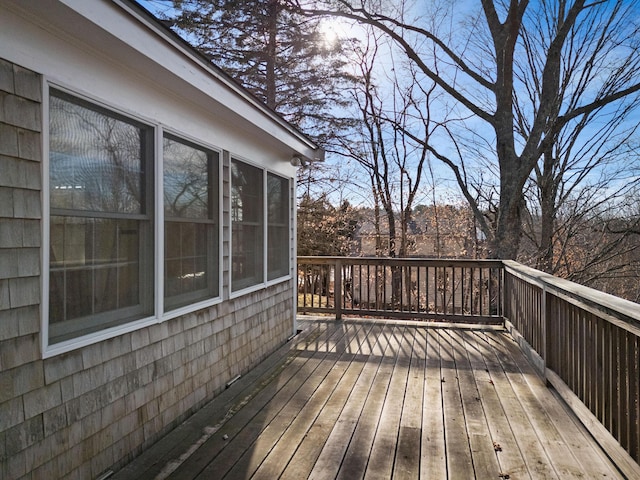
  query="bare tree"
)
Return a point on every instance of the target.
[
  {"x": 586, "y": 60},
  {"x": 394, "y": 162},
  {"x": 576, "y": 182},
  {"x": 590, "y": 158}
]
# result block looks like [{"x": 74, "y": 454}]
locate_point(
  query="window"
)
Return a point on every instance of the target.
[
  {"x": 103, "y": 192},
  {"x": 247, "y": 217},
  {"x": 191, "y": 226},
  {"x": 101, "y": 242},
  {"x": 277, "y": 226}
]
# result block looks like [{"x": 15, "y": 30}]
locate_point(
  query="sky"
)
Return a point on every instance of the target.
[{"x": 451, "y": 19}]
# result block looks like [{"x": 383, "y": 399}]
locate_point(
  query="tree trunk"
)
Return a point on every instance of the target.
[
  {"x": 508, "y": 233},
  {"x": 396, "y": 273},
  {"x": 270, "y": 74},
  {"x": 548, "y": 193}
]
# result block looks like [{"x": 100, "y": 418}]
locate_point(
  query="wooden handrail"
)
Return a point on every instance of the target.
[
  {"x": 453, "y": 290},
  {"x": 587, "y": 345}
]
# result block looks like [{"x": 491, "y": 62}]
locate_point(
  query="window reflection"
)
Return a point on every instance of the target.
[
  {"x": 94, "y": 266},
  {"x": 101, "y": 247},
  {"x": 247, "y": 225},
  {"x": 95, "y": 161},
  {"x": 277, "y": 226},
  {"x": 191, "y": 230},
  {"x": 186, "y": 181}
]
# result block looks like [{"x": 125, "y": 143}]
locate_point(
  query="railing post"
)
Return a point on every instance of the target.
[
  {"x": 545, "y": 329},
  {"x": 337, "y": 286},
  {"x": 502, "y": 300}
]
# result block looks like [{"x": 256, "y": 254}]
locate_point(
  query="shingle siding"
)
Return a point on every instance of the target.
[
  {"x": 23, "y": 394},
  {"x": 79, "y": 414}
]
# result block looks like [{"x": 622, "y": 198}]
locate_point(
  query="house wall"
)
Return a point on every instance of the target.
[{"x": 81, "y": 413}]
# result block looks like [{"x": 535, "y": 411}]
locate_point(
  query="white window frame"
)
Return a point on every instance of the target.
[
  {"x": 288, "y": 219},
  {"x": 177, "y": 312},
  {"x": 291, "y": 244},
  {"x": 144, "y": 258},
  {"x": 157, "y": 203}
]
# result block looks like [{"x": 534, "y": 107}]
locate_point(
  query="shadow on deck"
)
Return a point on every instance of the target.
[{"x": 382, "y": 399}]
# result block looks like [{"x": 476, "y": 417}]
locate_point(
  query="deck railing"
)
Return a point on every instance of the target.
[
  {"x": 588, "y": 345},
  {"x": 584, "y": 342},
  {"x": 459, "y": 290}
]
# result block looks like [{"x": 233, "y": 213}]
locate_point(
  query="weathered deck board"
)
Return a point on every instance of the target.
[
  {"x": 565, "y": 437},
  {"x": 247, "y": 451},
  {"x": 329, "y": 398},
  {"x": 335, "y": 446},
  {"x": 433, "y": 459},
  {"x": 459, "y": 458},
  {"x": 246, "y": 424},
  {"x": 356, "y": 458},
  {"x": 509, "y": 456},
  {"x": 379, "y": 400},
  {"x": 502, "y": 373},
  {"x": 407, "y": 464},
  {"x": 383, "y": 451},
  {"x": 311, "y": 446},
  {"x": 485, "y": 461}
]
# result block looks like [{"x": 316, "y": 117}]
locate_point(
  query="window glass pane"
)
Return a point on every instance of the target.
[
  {"x": 246, "y": 192},
  {"x": 278, "y": 197},
  {"x": 278, "y": 226},
  {"x": 56, "y": 295},
  {"x": 247, "y": 225},
  {"x": 128, "y": 284},
  {"x": 78, "y": 292},
  {"x": 101, "y": 243},
  {"x": 191, "y": 223},
  {"x": 181, "y": 252},
  {"x": 186, "y": 181},
  {"x": 93, "y": 267},
  {"x": 96, "y": 159},
  {"x": 191, "y": 259},
  {"x": 105, "y": 278}
]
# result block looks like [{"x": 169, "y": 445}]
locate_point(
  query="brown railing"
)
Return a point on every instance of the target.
[
  {"x": 456, "y": 290},
  {"x": 587, "y": 343},
  {"x": 584, "y": 342}
]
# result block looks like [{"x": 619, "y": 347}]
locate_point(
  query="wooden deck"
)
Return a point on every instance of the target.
[{"x": 382, "y": 399}]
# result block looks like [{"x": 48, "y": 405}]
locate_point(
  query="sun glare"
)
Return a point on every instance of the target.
[{"x": 332, "y": 30}]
